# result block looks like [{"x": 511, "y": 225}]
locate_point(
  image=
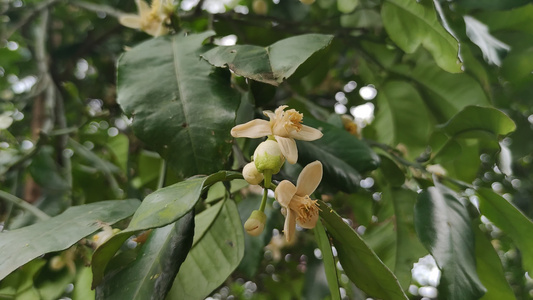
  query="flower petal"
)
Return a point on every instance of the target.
[
  {"x": 143, "y": 7},
  {"x": 306, "y": 133},
  {"x": 253, "y": 129},
  {"x": 130, "y": 20},
  {"x": 269, "y": 114},
  {"x": 309, "y": 224},
  {"x": 309, "y": 179},
  {"x": 290, "y": 225},
  {"x": 284, "y": 193},
  {"x": 288, "y": 148}
]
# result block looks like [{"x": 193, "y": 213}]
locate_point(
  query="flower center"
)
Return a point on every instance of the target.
[
  {"x": 306, "y": 208},
  {"x": 286, "y": 122}
]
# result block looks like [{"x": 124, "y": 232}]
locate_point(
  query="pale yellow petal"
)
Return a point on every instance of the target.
[
  {"x": 269, "y": 114},
  {"x": 284, "y": 193},
  {"x": 131, "y": 21},
  {"x": 288, "y": 148},
  {"x": 310, "y": 223},
  {"x": 289, "y": 227},
  {"x": 143, "y": 7},
  {"x": 253, "y": 129},
  {"x": 309, "y": 179},
  {"x": 306, "y": 134}
]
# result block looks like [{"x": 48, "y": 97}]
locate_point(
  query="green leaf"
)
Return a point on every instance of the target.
[
  {"x": 359, "y": 262},
  {"x": 20, "y": 246},
  {"x": 445, "y": 94},
  {"x": 270, "y": 64},
  {"x": 342, "y": 155},
  {"x": 443, "y": 226},
  {"x": 151, "y": 275},
  {"x": 477, "y": 118},
  {"x": 492, "y": 4},
  {"x": 347, "y": 6},
  {"x": 20, "y": 284},
  {"x": 402, "y": 117},
  {"x": 158, "y": 209},
  {"x": 409, "y": 249},
  {"x": 411, "y": 24},
  {"x": 82, "y": 285},
  {"x": 213, "y": 258},
  {"x": 511, "y": 221},
  {"x": 391, "y": 171},
  {"x": 490, "y": 269},
  {"x": 329, "y": 261},
  {"x": 181, "y": 106}
]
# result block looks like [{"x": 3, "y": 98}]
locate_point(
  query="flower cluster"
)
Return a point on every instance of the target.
[{"x": 283, "y": 128}]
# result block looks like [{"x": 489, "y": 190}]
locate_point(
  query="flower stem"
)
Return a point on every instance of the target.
[
  {"x": 264, "y": 200},
  {"x": 268, "y": 178}
]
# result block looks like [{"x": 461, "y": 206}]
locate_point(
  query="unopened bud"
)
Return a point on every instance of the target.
[
  {"x": 251, "y": 175},
  {"x": 267, "y": 156},
  {"x": 57, "y": 263},
  {"x": 256, "y": 223}
]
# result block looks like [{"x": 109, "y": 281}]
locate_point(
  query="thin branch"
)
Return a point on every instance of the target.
[
  {"x": 30, "y": 14},
  {"x": 24, "y": 205}
]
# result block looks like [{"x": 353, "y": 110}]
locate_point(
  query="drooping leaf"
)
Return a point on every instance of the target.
[
  {"x": 270, "y": 64},
  {"x": 391, "y": 171},
  {"x": 151, "y": 275},
  {"x": 59, "y": 233},
  {"x": 490, "y": 269},
  {"x": 411, "y": 24},
  {"x": 445, "y": 94},
  {"x": 443, "y": 226},
  {"x": 402, "y": 117},
  {"x": 409, "y": 249},
  {"x": 158, "y": 209},
  {"x": 511, "y": 221},
  {"x": 213, "y": 258},
  {"x": 329, "y": 261},
  {"x": 342, "y": 155},
  {"x": 181, "y": 106},
  {"x": 359, "y": 262},
  {"x": 477, "y": 118}
]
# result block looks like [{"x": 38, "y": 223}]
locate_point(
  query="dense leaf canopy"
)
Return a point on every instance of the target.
[{"x": 412, "y": 122}]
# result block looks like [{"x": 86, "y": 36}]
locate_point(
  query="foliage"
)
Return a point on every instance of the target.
[{"x": 424, "y": 165}]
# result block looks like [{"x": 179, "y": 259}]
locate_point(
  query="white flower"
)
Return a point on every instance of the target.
[
  {"x": 151, "y": 20},
  {"x": 285, "y": 126},
  {"x": 300, "y": 208}
]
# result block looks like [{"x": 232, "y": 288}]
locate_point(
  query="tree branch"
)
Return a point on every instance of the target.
[{"x": 24, "y": 205}]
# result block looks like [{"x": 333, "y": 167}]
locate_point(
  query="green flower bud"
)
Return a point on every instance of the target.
[
  {"x": 251, "y": 175},
  {"x": 256, "y": 223},
  {"x": 268, "y": 157}
]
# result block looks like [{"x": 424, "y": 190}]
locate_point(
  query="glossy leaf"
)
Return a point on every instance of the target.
[
  {"x": 151, "y": 275},
  {"x": 343, "y": 156},
  {"x": 411, "y": 24},
  {"x": 402, "y": 117},
  {"x": 359, "y": 262},
  {"x": 489, "y": 269},
  {"x": 181, "y": 106},
  {"x": 270, "y": 64},
  {"x": 59, "y": 233},
  {"x": 511, "y": 221},
  {"x": 330, "y": 267},
  {"x": 409, "y": 249},
  {"x": 213, "y": 258},
  {"x": 443, "y": 226},
  {"x": 477, "y": 118},
  {"x": 445, "y": 93},
  {"x": 158, "y": 209}
]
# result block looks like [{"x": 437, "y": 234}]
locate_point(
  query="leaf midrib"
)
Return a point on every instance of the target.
[{"x": 182, "y": 98}]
